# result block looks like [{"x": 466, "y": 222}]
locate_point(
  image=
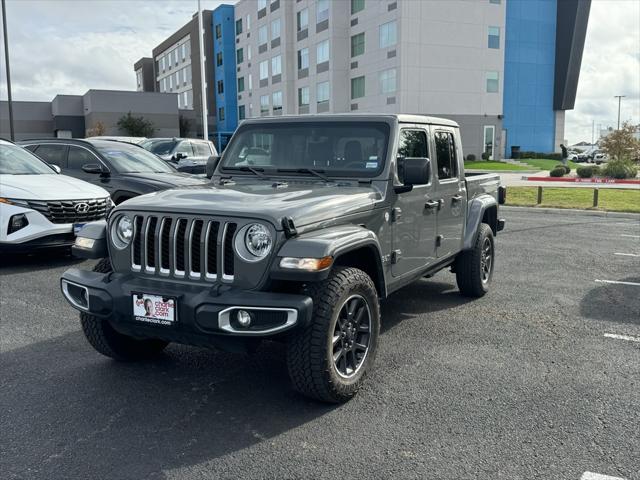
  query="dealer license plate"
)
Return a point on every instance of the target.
[{"x": 154, "y": 309}]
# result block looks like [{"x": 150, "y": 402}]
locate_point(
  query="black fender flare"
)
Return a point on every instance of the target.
[{"x": 475, "y": 213}]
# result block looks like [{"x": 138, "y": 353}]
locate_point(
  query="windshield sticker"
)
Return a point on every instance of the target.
[{"x": 371, "y": 165}]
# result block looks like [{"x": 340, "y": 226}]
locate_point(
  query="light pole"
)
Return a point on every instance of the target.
[
  {"x": 203, "y": 76},
  {"x": 6, "y": 57},
  {"x": 619, "y": 97}
]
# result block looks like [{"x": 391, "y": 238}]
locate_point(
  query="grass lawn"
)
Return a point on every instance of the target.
[
  {"x": 614, "y": 200},
  {"x": 493, "y": 166},
  {"x": 546, "y": 164}
]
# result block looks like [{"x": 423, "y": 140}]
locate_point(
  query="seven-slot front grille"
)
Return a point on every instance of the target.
[
  {"x": 71, "y": 211},
  {"x": 198, "y": 249}
]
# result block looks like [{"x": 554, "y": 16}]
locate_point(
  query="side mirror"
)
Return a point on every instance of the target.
[
  {"x": 414, "y": 171},
  {"x": 92, "y": 168},
  {"x": 56, "y": 168},
  {"x": 179, "y": 156},
  {"x": 212, "y": 164}
]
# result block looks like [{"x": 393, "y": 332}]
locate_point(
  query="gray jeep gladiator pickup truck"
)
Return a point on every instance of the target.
[{"x": 307, "y": 223}]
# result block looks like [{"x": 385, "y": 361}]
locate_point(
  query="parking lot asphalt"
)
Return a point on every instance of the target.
[{"x": 521, "y": 384}]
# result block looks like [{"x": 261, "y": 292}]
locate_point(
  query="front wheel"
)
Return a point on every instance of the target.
[
  {"x": 474, "y": 268},
  {"x": 329, "y": 359}
]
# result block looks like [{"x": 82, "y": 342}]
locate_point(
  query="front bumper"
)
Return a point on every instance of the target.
[{"x": 204, "y": 314}]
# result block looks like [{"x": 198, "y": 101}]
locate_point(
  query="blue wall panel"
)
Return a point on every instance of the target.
[
  {"x": 529, "y": 118},
  {"x": 226, "y": 44}
]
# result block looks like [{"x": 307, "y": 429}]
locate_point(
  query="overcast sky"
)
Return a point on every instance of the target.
[{"x": 68, "y": 47}]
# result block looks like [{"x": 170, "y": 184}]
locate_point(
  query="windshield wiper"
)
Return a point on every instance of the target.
[
  {"x": 317, "y": 173},
  {"x": 255, "y": 171}
]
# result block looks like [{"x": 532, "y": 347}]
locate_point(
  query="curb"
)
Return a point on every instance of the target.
[
  {"x": 590, "y": 181},
  {"x": 565, "y": 211}
]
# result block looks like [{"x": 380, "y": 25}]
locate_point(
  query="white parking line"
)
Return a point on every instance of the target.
[
  {"x": 598, "y": 476},
  {"x": 629, "y": 338},
  {"x": 627, "y": 254},
  {"x": 627, "y": 235},
  {"x": 615, "y": 282}
]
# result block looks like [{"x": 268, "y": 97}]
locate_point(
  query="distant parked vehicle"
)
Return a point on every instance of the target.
[
  {"x": 39, "y": 208},
  {"x": 124, "y": 170},
  {"x": 134, "y": 140},
  {"x": 188, "y": 155},
  {"x": 600, "y": 157}
]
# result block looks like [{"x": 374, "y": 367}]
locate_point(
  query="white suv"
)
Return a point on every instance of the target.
[{"x": 40, "y": 208}]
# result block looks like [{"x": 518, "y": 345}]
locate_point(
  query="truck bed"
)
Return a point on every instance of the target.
[{"x": 482, "y": 183}]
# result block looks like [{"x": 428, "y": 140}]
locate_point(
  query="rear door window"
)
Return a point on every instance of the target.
[
  {"x": 78, "y": 157},
  {"x": 446, "y": 155},
  {"x": 53, "y": 154},
  {"x": 201, "y": 149}
]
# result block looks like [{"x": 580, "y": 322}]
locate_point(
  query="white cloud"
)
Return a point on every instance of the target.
[{"x": 610, "y": 66}]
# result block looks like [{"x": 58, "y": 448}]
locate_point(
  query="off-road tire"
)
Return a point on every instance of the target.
[
  {"x": 469, "y": 273},
  {"x": 107, "y": 341},
  {"x": 309, "y": 350}
]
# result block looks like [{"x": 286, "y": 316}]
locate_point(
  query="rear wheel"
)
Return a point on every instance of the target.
[
  {"x": 474, "y": 268},
  {"x": 329, "y": 359},
  {"x": 106, "y": 340}
]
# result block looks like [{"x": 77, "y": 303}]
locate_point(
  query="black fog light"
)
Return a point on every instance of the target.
[{"x": 17, "y": 222}]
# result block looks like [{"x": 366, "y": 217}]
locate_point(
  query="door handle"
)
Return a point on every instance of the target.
[
  {"x": 456, "y": 198},
  {"x": 431, "y": 204}
]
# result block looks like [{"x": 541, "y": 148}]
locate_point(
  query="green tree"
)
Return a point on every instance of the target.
[
  {"x": 622, "y": 144},
  {"x": 136, "y": 126}
]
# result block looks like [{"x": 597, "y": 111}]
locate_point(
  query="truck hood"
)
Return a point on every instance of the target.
[
  {"x": 167, "y": 180},
  {"x": 304, "y": 202},
  {"x": 48, "y": 187}
]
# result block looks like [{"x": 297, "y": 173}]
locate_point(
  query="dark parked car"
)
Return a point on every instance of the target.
[
  {"x": 186, "y": 154},
  {"x": 124, "y": 170}
]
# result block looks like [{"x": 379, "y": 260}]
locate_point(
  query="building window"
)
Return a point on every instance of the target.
[
  {"x": 170, "y": 82},
  {"x": 263, "y": 35},
  {"x": 240, "y": 84},
  {"x": 139, "y": 79},
  {"x": 184, "y": 76},
  {"x": 303, "y": 19},
  {"x": 249, "y": 52},
  {"x": 276, "y": 65},
  {"x": 175, "y": 56},
  {"x": 388, "y": 34},
  {"x": 357, "y": 6},
  {"x": 162, "y": 66},
  {"x": 493, "y": 82},
  {"x": 322, "y": 92},
  {"x": 357, "y": 44},
  {"x": 322, "y": 10},
  {"x": 218, "y": 31},
  {"x": 494, "y": 37},
  {"x": 183, "y": 50},
  {"x": 264, "y": 70},
  {"x": 277, "y": 101},
  {"x": 388, "y": 81},
  {"x": 497, "y": 2},
  {"x": 179, "y": 101},
  {"x": 264, "y": 105},
  {"x": 303, "y": 96},
  {"x": 239, "y": 56},
  {"x": 248, "y": 22},
  {"x": 275, "y": 29},
  {"x": 262, "y": 4},
  {"x": 241, "y": 112},
  {"x": 250, "y": 83},
  {"x": 303, "y": 58},
  {"x": 220, "y": 86},
  {"x": 219, "y": 59},
  {"x": 322, "y": 52},
  {"x": 238, "y": 26},
  {"x": 357, "y": 87},
  {"x": 185, "y": 100},
  {"x": 221, "y": 114}
]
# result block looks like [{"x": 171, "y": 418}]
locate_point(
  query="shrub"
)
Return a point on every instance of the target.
[
  {"x": 471, "y": 157},
  {"x": 567, "y": 168},
  {"x": 620, "y": 169},
  {"x": 534, "y": 155},
  {"x": 485, "y": 156},
  {"x": 585, "y": 171},
  {"x": 558, "y": 171}
]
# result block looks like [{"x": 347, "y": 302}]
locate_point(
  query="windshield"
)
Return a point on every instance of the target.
[
  {"x": 353, "y": 149},
  {"x": 16, "y": 160},
  {"x": 131, "y": 159},
  {"x": 159, "y": 147}
]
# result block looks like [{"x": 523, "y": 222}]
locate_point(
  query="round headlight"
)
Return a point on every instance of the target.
[
  {"x": 124, "y": 230},
  {"x": 258, "y": 240}
]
